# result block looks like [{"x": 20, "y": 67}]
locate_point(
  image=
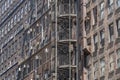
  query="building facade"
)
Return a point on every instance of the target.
[
  {"x": 102, "y": 39},
  {"x": 15, "y": 16}
]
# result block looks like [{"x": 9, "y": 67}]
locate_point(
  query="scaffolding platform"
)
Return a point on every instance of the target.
[
  {"x": 67, "y": 66},
  {"x": 67, "y": 40},
  {"x": 67, "y": 15}
]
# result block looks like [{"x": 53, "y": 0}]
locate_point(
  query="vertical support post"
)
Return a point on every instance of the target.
[
  {"x": 79, "y": 51},
  {"x": 77, "y": 43},
  {"x": 69, "y": 40},
  {"x": 56, "y": 12}
]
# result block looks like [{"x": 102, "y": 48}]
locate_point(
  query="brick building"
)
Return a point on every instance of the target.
[
  {"x": 15, "y": 16},
  {"x": 102, "y": 39}
]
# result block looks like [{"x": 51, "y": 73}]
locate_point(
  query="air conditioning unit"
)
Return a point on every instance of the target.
[{"x": 87, "y": 49}]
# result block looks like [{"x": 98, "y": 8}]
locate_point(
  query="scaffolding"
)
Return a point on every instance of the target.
[{"x": 65, "y": 28}]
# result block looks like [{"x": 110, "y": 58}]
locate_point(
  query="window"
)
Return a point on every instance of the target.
[
  {"x": 29, "y": 6},
  {"x": 5, "y": 29},
  {"x": 118, "y": 58},
  {"x": 11, "y": 23},
  {"x": 25, "y": 8},
  {"x": 102, "y": 67},
  {"x": 3, "y": 8},
  {"x": 0, "y": 11},
  {"x": 94, "y": 15},
  {"x": 18, "y": 16},
  {"x": 8, "y": 26},
  {"x": 9, "y": 51},
  {"x": 21, "y": 13},
  {"x": 101, "y": 10},
  {"x": 87, "y": 22},
  {"x": 111, "y": 32},
  {"x": 111, "y": 62},
  {"x": 110, "y": 6},
  {"x": 11, "y": 1},
  {"x": 15, "y": 45},
  {"x": 12, "y": 48},
  {"x": 118, "y": 3},
  {"x": 95, "y": 42},
  {"x": 102, "y": 38},
  {"x": 8, "y": 1},
  {"x": 37, "y": 61},
  {"x": 20, "y": 42},
  {"x": 118, "y": 27},
  {"x": 89, "y": 41},
  {"x": 89, "y": 73},
  {"x": 0, "y": 34},
  {"x": 95, "y": 70},
  {"x": 15, "y": 18}
]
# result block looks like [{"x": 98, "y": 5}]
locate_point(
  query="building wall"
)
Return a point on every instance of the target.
[
  {"x": 103, "y": 40},
  {"x": 13, "y": 16}
]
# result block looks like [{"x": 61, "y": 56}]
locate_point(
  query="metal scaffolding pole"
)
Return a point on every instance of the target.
[
  {"x": 69, "y": 40},
  {"x": 79, "y": 46},
  {"x": 56, "y": 12}
]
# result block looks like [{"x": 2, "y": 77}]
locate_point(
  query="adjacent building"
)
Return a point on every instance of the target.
[
  {"x": 102, "y": 39},
  {"x": 15, "y": 16}
]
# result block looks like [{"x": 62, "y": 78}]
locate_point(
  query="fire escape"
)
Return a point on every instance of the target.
[{"x": 65, "y": 22}]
